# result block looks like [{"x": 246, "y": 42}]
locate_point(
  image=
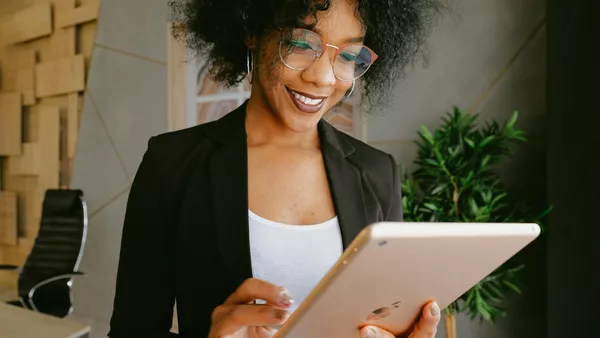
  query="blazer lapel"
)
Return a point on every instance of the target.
[
  {"x": 228, "y": 172},
  {"x": 345, "y": 182}
]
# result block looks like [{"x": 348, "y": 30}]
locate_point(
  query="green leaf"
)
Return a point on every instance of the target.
[
  {"x": 470, "y": 143},
  {"x": 426, "y": 134},
  {"x": 490, "y": 296},
  {"x": 512, "y": 286},
  {"x": 432, "y": 162},
  {"x": 486, "y": 159},
  {"x": 513, "y": 119},
  {"x": 439, "y": 188},
  {"x": 486, "y": 141},
  {"x": 474, "y": 207},
  {"x": 498, "y": 197},
  {"x": 431, "y": 206},
  {"x": 495, "y": 290}
]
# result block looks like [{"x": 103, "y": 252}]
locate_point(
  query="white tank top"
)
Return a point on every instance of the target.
[{"x": 294, "y": 256}]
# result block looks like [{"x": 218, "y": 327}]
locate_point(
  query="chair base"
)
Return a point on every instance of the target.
[
  {"x": 15, "y": 303},
  {"x": 49, "y": 309}
]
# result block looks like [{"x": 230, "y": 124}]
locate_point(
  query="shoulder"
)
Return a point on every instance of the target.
[
  {"x": 182, "y": 137},
  {"x": 173, "y": 147},
  {"x": 380, "y": 172},
  {"x": 371, "y": 161}
]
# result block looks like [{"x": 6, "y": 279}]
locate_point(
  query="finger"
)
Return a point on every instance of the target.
[
  {"x": 427, "y": 325},
  {"x": 231, "y": 318},
  {"x": 374, "y": 332},
  {"x": 253, "y": 289}
]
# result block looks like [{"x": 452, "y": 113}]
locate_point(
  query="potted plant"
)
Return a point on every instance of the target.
[{"x": 454, "y": 181}]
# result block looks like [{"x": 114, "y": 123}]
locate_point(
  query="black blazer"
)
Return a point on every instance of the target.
[{"x": 185, "y": 234}]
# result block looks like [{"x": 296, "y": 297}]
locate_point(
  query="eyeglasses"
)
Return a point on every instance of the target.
[{"x": 300, "y": 49}]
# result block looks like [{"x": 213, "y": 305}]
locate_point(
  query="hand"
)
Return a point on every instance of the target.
[
  {"x": 426, "y": 327},
  {"x": 238, "y": 317}
]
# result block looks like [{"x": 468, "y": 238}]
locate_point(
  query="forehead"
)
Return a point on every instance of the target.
[{"x": 339, "y": 23}]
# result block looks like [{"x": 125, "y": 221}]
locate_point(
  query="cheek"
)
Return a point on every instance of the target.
[
  {"x": 343, "y": 87},
  {"x": 272, "y": 73}
]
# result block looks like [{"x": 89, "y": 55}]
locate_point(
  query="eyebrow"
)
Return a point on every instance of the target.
[{"x": 312, "y": 27}]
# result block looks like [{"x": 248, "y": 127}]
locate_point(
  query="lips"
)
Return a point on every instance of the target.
[{"x": 305, "y": 102}]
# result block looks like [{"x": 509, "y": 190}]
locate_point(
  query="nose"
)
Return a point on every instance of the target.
[{"x": 321, "y": 71}]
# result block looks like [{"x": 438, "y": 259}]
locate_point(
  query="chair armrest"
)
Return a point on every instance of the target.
[
  {"x": 9, "y": 267},
  {"x": 50, "y": 280}
]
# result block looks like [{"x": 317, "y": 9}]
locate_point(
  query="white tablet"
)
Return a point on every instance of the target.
[{"x": 391, "y": 270}]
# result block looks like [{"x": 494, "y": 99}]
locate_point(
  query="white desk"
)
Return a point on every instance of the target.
[{"x": 20, "y": 323}]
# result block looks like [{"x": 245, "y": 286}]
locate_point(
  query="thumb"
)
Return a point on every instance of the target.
[
  {"x": 374, "y": 332},
  {"x": 427, "y": 325}
]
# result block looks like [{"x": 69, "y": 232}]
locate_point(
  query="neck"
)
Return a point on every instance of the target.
[{"x": 263, "y": 126}]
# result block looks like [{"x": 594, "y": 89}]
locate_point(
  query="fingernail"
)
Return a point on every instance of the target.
[
  {"x": 434, "y": 309},
  {"x": 370, "y": 333},
  {"x": 280, "y": 314},
  {"x": 285, "y": 297}
]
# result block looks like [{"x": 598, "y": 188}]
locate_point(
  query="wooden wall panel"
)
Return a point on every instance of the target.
[
  {"x": 67, "y": 16},
  {"x": 62, "y": 44},
  {"x": 30, "y": 23},
  {"x": 49, "y": 144},
  {"x": 10, "y": 124},
  {"x": 8, "y": 218},
  {"x": 25, "y": 84},
  {"x": 27, "y": 163},
  {"x": 45, "y": 50},
  {"x": 63, "y": 76},
  {"x": 72, "y": 124}
]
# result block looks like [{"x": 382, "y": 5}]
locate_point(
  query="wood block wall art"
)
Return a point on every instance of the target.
[
  {"x": 29, "y": 201},
  {"x": 25, "y": 84},
  {"x": 49, "y": 143},
  {"x": 10, "y": 124},
  {"x": 15, "y": 66},
  {"x": 28, "y": 163},
  {"x": 67, "y": 16},
  {"x": 8, "y": 218},
  {"x": 72, "y": 124},
  {"x": 62, "y": 44},
  {"x": 62, "y": 76},
  {"x": 45, "y": 49},
  {"x": 28, "y": 24}
]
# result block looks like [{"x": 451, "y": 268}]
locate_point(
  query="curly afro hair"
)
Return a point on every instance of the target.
[{"x": 217, "y": 29}]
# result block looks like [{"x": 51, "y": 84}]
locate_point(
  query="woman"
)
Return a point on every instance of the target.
[{"x": 258, "y": 205}]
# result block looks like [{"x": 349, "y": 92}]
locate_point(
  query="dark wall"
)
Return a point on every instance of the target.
[{"x": 573, "y": 168}]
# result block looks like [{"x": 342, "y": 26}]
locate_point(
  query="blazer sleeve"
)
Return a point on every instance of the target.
[
  {"x": 394, "y": 213},
  {"x": 144, "y": 296}
]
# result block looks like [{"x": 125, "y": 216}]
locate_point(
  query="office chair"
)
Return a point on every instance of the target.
[{"x": 45, "y": 280}]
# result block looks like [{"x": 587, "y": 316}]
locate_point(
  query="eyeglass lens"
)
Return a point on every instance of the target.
[{"x": 303, "y": 47}]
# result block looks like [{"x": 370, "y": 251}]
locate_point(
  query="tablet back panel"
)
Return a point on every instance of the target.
[{"x": 392, "y": 269}]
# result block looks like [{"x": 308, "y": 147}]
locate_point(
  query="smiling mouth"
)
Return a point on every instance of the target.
[{"x": 305, "y": 102}]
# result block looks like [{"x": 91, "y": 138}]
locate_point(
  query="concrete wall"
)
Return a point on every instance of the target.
[
  {"x": 125, "y": 104},
  {"x": 488, "y": 57}
]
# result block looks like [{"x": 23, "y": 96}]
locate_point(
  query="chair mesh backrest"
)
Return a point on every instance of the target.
[{"x": 60, "y": 239}]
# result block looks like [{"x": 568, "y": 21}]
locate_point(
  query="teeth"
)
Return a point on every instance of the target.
[{"x": 306, "y": 100}]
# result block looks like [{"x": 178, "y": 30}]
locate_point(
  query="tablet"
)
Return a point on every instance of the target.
[{"x": 391, "y": 270}]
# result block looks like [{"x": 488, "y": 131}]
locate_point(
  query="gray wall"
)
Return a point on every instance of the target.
[
  {"x": 488, "y": 57},
  {"x": 125, "y": 104}
]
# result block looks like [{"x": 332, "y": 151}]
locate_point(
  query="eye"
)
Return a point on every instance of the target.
[
  {"x": 300, "y": 47},
  {"x": 347, "y": 57}
]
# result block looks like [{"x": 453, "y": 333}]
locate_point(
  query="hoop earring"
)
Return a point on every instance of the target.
[
  {"x": 349, "y": 92},
  {"x": 249, "y": 65}
]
